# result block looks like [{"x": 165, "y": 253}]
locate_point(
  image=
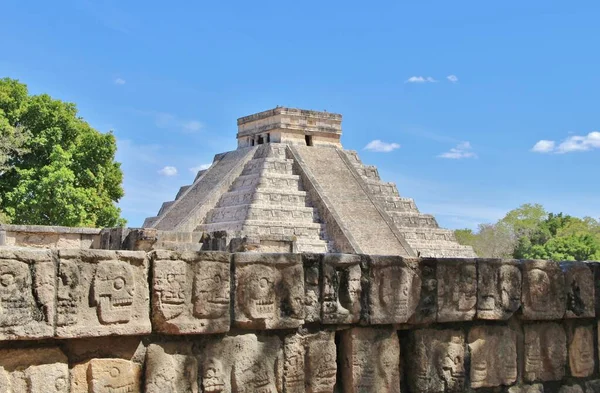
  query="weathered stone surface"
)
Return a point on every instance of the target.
[
  {"x": 341, "y": 289},
  {"x": 190, "y": 292},
  {"x": 457, "y": 290},
  {"x": 437, "y": 361},
  {"x": 125, "y": 347},
  {"x": 499, "y": 289},
  {"x": 543, "y": 294},
  {"x": 493, "y": 356},
  {"x": 111, "y": 295},
  {"x": 579, "y": 290},
  {"x": 27, "y": 291},
  {"x": 536, "y": 388},
  {"x": 114, "y": 375},
  {"x": 592, "y": 386},
  {"x": 240, "y": 364},
  {"x": 570, "y": 389},
  {"x": 370, "y": 361},
  {"x": 581, "y": 350},
  {"x": 310, "y": 363},
  {"x": 545, "y": 353},
  {"x": 269, "y": 290},
  {"x": 171, "y": 368},
  {"x": 312, "y": 291},
  {"x": 395, "y": 289},
  {"x": 40, "y": 370},
  {"x": 426, "y": 311}
]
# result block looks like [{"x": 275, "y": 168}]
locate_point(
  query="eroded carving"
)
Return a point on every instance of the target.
[
  {"x": 43, "y": 370},
  {"x": 543, "y": 294},
  {"x": 426, "y": 311},
  {"x": 114, "y": 376},
  {"x": 342, "y": 289},
  {"x": 114, "y": 289},
  {"x": 493, "y": 356},
  {"x": 370, "y": 360},
  {"x": 310, "y": 363},
  {"x": 545, "y": 352},
  {"x": 16, "y": 296},
  {"x": 437, "y": 363},
  {"x": 68, "y": 293},
  {"x": 312, "y": 292},
  {"x": 499, "y": 289},
  {"x": 269, "y": 290},
  {"x": 211, "y": 291},
  {"x": 171, "y": 368},
  {"x": 457, "y": 290},
  {"x": 581, "y": 351},
  {"x": 579, "y": 288}
]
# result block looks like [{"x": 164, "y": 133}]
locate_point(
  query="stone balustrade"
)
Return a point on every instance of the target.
[{"x": 74, "y": 320}]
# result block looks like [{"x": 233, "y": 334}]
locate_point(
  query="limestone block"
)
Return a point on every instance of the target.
[
  {"x": 592, "y": 386},
  {"x": 341, "y": 289},
  {"x": 595, "y": 266},
  {"x": 241, "y": 364},
  {"x": 370, "y": 361},
  {"x": 40, "y": 370},
  {"x": 269, "y": 290},
  {"x": 543, "y": 294},
  {"x": 114, "y": 375},
  {"x": 125, "y": 347},
  {"x": 310, "y": 363},
  {"x": 581, "y": 350},
  {"x": 545, "y": 352},
  {"x": 499, "y": 289},
  {"x": 171, "y": 368},
  {"x": 570, "y": 389},
  {"x": 190, "y": 292},
  {"x": 426, "y": 311},
  {"x": 312, "y": 292},
  {"x": 27, "y": 291},
  {"x": 101, "y": 293},
  {"x": 395, "y": 289},
  {"x": 457, "y": 290},
  {"x": 579, "y": 290},
  {"x": 536, "y": 388},
  {"x": 436, "y": 361},
  {"x": 493, "y": 356}
]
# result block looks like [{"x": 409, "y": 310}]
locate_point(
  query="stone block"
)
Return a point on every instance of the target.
[
  {"x": 395, "y": 289},
  {"x": 581, "y": 350},
  {"x": 493, "y": 356},
  {"x": 171, "y": 368},
  {"x": 457, "y": 290},
  {"x": 114, "y": 375},
  {"x": 269, "y": 291},
  {"x": 498, "y": 289},
  {"x": 543, "y": 294},
  {"x": 570, "y": 389},
  {"x": 27, "y": 294},
  {"x": 436, "y": 361},
  {"x": 426, "y": 311},
  {"x": 370, "y": 360},
  {"x": 535, "y": 388},
  {"x": 102, "y": 293},
  {"x": 545, "y": 352},
  {"x": 592, "y": 386},
  {"x": 312, "y": 291},
  {"x": 244, "y": 363},
  {"x": 341, "y": 289},
  {"x": 310, "y": 363},
  {"x": 190, "y": 292},
  {"x": 579, "y": 290},
  {"x": 40, "y": 370}
]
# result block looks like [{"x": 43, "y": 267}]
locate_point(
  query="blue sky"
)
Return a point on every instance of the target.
[{"x": 466, "y": 89}]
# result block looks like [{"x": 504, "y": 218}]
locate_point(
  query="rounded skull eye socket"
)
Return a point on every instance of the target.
[
  {"x": 211, "y": 373},
  {"x": 60, "y": 383},
  {"x": 217, "y": 279},
  {"x": 263, "y": 283},
  {"x": 114, "y": 372},
  {"x": 7, "y": 279},
  {"x": 119, "y": 283}
]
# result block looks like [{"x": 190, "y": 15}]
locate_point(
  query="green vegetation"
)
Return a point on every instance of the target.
[
  {"x": 529, "y": 232},
  {"x": 55, "y": 169}
]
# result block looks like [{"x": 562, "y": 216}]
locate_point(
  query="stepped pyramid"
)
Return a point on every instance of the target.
[{"x": 290, "y": 186}]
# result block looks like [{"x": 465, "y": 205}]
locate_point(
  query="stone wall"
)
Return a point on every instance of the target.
[
  {"x": 42, "y": 236},
  {"x": 75, "y": 320}
]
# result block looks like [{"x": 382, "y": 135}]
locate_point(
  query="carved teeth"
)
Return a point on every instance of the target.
[{"x": 121, "y": 389}]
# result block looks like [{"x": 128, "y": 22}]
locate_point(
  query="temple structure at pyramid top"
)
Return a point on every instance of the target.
[{"x": 291, "y": 187}]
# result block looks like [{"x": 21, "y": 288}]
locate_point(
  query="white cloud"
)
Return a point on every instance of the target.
[
  {"x": 571, "y": 144},
  {"x": 381, "y": 147},
  {"x": 168, "y": 171},
  {"x": 168, "y": 120},
  {"x": 420, "y": 79},
  {"x": 462, "y": 150},
  {"x": 543, "y": 146},
  {"x": 191, "y": 125},
  {"x": 200, "y": 167},
  {"x": 452, "y": 78},
  {"x": 120, "y": 81}
]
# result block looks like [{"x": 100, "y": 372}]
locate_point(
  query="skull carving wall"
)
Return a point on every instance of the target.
[
  {"x": 581, "y": 350},
  {"x": 493, "y": 356},
  {"x": 114, "y": 375},
  {"x": 41, "y": 370},
  {"x": 341, "y": 289},
  {"x": 457, "y": 290},
  {"x": 171, "y": 368},
  {"x": 114, "y": 290},
  {"x": 543, "y": 295},
  {"x": 545, "y": 352},
  {"x": 269, "y": 290},
  {"x": 310, "y": 363},
  {"x": 579, "y": 290},
  {"x": 191, "y": 292},
  {"x": 499, "y": 289}
]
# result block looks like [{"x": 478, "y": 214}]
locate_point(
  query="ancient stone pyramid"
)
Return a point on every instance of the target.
[{"x": 290, "y": 186}]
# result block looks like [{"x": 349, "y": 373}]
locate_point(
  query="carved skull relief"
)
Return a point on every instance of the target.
[
  {"x": 114, "y": 375},
  {"x": 581, "y": 352},
  {"x": 16, "y": 297},
  {"x": 452, "y": 365},
  {"x": 113, "y": 291},
  {"x": 539, "y": 289},
  {"x": 211, "y": 290},
  {"x": 213, "y": 377},
  {"x": 170, "y": 285},
  {"x": 259, "y": 291},
  {"x": 322, "y": 365},
  {"x": 68, "y": 293}
]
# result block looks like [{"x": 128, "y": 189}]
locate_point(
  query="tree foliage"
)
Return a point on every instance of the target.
[
  {"x": 60, "y": 171},
  {"x": 529, "y": 232}
]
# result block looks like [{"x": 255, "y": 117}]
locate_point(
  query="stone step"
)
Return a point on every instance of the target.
[
  {"x": 271, "y": 150},
  {"x": 269, "y": 164},
  {"x": 368, "y": 172},
  {"x": 261, "y": 212},
  {"x": 429, "y": 234},
  {"x": 413, "y": 220},
  {"x": 266, "y": 228},
  {"x": 263, "y": 196},
  {"x": 397, "y": 204},
  {"x": 314, "y": 246},
  {"x": 378, "y": 187},
  {"x": 462, "y": 252},
  {"x": 165, "y": 206},
  {"x": 353, "y": 157},
  {"x": 267, "y": 180},
  {"x": 182, "y": 191}
]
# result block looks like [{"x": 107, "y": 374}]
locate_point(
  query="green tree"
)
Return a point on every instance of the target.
[{"x": 64, "y": 172}]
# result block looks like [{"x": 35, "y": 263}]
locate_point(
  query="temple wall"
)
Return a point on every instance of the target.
[
  {"x": 42, "y": 236},
  {"x": 74, "y": 320}
]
